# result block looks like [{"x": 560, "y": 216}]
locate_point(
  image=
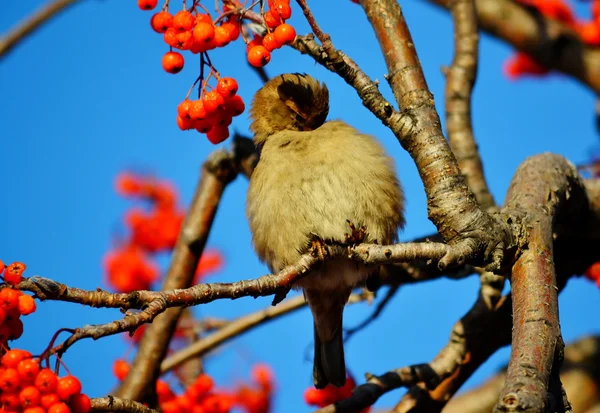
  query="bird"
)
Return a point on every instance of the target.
[{"x": 317, "y": 180}]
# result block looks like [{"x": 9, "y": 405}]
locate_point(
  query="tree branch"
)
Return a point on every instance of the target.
[
  {"x": 31, "y": 23},
  {"x": 116, "y": 404},
  {"x": 459, "y": 85}
]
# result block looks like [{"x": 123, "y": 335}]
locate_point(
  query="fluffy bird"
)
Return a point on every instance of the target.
[{"x": 312, "y": 179}]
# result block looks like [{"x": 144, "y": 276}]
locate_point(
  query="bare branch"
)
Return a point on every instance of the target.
[
  {"x": 116, "y": 404},
  {"x": 31, "y": 23},
  {"x": 459, "y": 85}
]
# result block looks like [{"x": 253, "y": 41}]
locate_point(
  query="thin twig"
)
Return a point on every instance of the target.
[{"x": 31, "y": 23}]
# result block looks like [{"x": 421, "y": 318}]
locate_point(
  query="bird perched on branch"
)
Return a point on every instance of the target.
[{"x": 313, "y": 179}]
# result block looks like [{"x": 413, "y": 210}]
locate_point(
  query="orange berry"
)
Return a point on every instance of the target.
[
  {"x": 183, "y": 124},
  {"x": 217, "y": 134},
  {"x": 28, "y": 369},
  {"x": 217, "y": 403},
  {"x": 12, "y": 358},
  {"x": 213, "y": 101},
  {"x": 183, "y": 21},
  {"x": 285, "y": 34},
  {"x": 272, "y": 19},
  {"x": 204, "y": 383},
  {"x": 163, "y": 391},
  {"x": 9, "y": 299},
  {"x": 67, "y": 387},
  {"x": 46, "y": 381},
  {"x": 48, "y": 400},
  {"x": 10, "y": 402},
  {"x": 161, "y": 21},
  {"x": 183, "y": 109},
  {"x": 196, "y": 110},
  {"x": 227, "y": 87},
  {"x": 34, "y": 409},
  {"x": 26, "y": 304},
  {"x": 203, "y": 18},
  {"x": 2, "y": 266},
  {"x": 120, "y": 369},
  {"x": 204, "y": 32},
  {"x": 147, "y": 4},
  {"x": 221, "y": 36},
  {"x": 184, "y": 40},
  {"x": 80, "y": 403},
  {"x": 171, "y": 406},
  {"x": 203, "y": 125},
  {"x": 13, "y": 274},
  {"x": 30, "y": 396},
  {"x": 59, "y": 408},
  {"x": 172, "y": 62},
  {"x": 235, "y": 105},
  {"x": 283, "y": 9},
  {"x": 233, "y": 28},
  {"x": 16, "y": 328},
  {"x": 259, "y": 56},
  {"x": 270, "y": 42},
  {"x": 10, "y": 380},
  {"x": 257, "y": 41},
  {"x": 170, "y": 37}
]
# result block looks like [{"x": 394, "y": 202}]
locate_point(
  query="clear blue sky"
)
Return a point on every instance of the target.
[{"x": 85, "y": 97}]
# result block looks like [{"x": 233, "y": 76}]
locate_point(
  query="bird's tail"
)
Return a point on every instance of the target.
[{"x": 327, "y": 307}]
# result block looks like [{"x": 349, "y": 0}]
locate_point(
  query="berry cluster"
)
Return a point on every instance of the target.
[
  {"x": 130, "y": 267},
  {"x": 195, "y": 30},
  {"x": 521, "y": 64},
  {"x": 330, "y": 394},
  {"x": 278, "y": 34},
  {"x": 13, "y": 303},
  {"x": 202, "y": 397},
  {"x": 28, "y": 388}
]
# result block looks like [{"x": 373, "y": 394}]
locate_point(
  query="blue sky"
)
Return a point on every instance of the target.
[{"x": 85, "y": 97}]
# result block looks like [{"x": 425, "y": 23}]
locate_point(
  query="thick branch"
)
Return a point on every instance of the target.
[
  {"x": 459, "y": 85},
  {"x": 31, "y": 23},
  {"x": 217, "y": 172},
  {"x": 452, "y": 207},
  {"x": 116, "y": 404},
  {"x": 550, "y": 42},
  {"x": 545, "y": 189}
]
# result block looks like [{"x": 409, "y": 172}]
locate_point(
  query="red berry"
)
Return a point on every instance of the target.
[
  {"x": 59, "y": 408},
  {"x": 184, "y": 124},
  {"x": 13, "y": 273},
  {"x": 233, "y": 28},
  {"x": 147, "y": 4},
  {"x": 46, "y": 381},
  {"x": 218, "y": 134},
  {"x": 9, "y": 299},
  {"x": 26, "y": 304},
  {"x": 161, "y": 21},
  {"x": 204, "y": 32},
  {"x": 196, "y": 110},
  {"x": 28, "y": 369},
  {"x": 203, "y": 18},
  {"x": 203, "y": 125},
  {"x": 183, "y": 21},
  {"x": 48, "y": 400},
  {"x": 270, "y": 42},
  {"x": 67, "y": 387},
  {"x": 30, "y": 396},
  {"x": 227, "y": 87},
  {"x": 283, "y": 9},
  {"x": 272, "y": 19},
  {"x": 120, "y": 369},
  {"x": 221, "y": 36},
  {"x": 172, "y": 62},
  {"x": 259, "y": 56},
  {"x": 80, "y": 403},
  {"x": 285, "y": 34},
  {"x": 10, "y": 402},
  {"x": 13, "y": 358},
  {"x": 10, "y": 380},
  {"x": 183, "y": 109},
  {"x": 34, "y": 409},
  {"x": 213, "y": 101},
  {"x": 235, "y": 105}
]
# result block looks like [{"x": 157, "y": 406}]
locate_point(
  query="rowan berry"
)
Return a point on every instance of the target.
[
  {"x": 213, "y": 101},
  {"x": 233, "y": 29},
  {"x": 59, "y": 408},
  {"x": 161, "y": 21},
  {"x": 28, "y": 369},
  {"x": 203, "y": 383},
  {"x": 12, "y": 358},
  {"x": 227, "y": 87},
  {"x": 10, "y": 402},
  {"x": 183, "y": 124},
  {"x": 26, "y": 304},
  {"x": 184, "y": 40},
  {"x": 171, "y": 407},
  {"x": 270, "y": 42},
  {"x": 13, "y": 273},
  {"x": 285, "y": 34},
  {"x": 235, "y": 105},
  {"x": 163, "y": 391},
  {"x": 172, "y": 62},
  {"x": 16, "y": 328},
  {"x": 9, "y": 299},
  {"x": 272, "y": 19},
  {"x": 221, "y": 37},
  {"x": 258, "y": 56},
  {"x": 67, "y": 387},
  {"x": 120, "y": 369},
  {"x": 10, "y": 380},
  {"x": 196, "y": 110},
  {"x": 217, "y": 134},
  {"x": 204, "y": 32},
  {"x": 80, "y": 403},
  {"x": 183, "y": 21},
  {"x": 257, "y": 41},
  {"x": 170, "y": 37},
  {"x": 46, "y": 381},
  {"x": 183, "y": 109},
  {"x": 34, "y": 409},
  {"x": 30, "y": 396},
  {"x": 203, "y": 125},
  {"x": 2, "y": 266},
  {"x": 48, "y": 400},
  {"x": 147, "y": 4},
  {"x": 283, "y": 9}
]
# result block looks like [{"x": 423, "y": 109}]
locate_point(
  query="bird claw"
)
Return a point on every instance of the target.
[
  {"x": 319, "y": 248},
  {"x": 357, "y": 235}
]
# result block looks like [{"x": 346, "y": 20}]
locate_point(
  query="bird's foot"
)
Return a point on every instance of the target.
[
  {"x": 318, "y": 247},
  {"x": 357, "y": 235}
]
